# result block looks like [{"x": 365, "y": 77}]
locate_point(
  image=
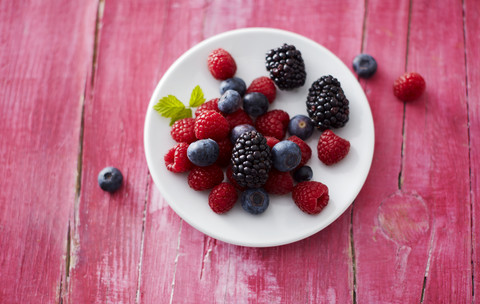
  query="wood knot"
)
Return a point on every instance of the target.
[{"x": 404, "y": 217}]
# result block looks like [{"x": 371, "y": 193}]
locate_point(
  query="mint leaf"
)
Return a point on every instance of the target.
[
  {"x": 197, "y": 98},
  {"x": 180, "y": 115},
  {"x": 169, "y": 106}
]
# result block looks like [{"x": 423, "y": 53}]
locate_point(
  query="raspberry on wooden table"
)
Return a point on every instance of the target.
[
  {"x": 221, "y": 64},
  {"x": 222, "y": 198},
  {"x": 409, "y": 86},
  {"x": 311, "y": 197},
  {"x": 176, "y": 159},
  {"x": 211, "y": 124}
]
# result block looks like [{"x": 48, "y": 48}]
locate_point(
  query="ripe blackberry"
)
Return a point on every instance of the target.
[
  {"x": 251, "y": 160},
  {"x": 327, "y": 105},
  {"x": 286, "y": 67}
]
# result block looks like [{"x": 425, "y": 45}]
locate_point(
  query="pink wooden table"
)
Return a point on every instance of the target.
[{"x": 75, "y": 82}]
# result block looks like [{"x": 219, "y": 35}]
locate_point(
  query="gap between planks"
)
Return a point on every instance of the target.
[
  {"x": 472, "y": 237},
  {"x": 64, "y": 280}
]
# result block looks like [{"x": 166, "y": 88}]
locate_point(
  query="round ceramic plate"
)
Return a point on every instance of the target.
[{"x": 283, "y": 222}]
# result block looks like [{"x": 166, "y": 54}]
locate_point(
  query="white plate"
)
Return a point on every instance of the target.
[{"x": 282, "y": 222}]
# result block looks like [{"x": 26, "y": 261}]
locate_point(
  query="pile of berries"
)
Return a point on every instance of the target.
[{"x": 238, "y": 134}]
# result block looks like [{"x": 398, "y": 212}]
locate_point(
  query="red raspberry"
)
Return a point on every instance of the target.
[
  {"x": 271, "y": 141},
  {"x": 232, "y": 180},
  {"x": 264, "y": 85},
  {"x": 211, "y": 124},
  {"x": 332, "y": 148},
  {"x": 221, "y": 64},
  {"x": 279, "y": 182},
  {"x": 176, "y": 158},
  {"x": 225, "y": 152},
  {"x": 222, "y": 198},
  {"x": 238, "y": 117},
  {"x": 311, "y": 197},
  {"x": 203, "y": 178},
  {"x": 182, "y": 130},
  {"x": 212, "y": 104},
  {"x": 409, "y": 86},
  {"x": 304, "y": 147},
  {"x": 273, "y": 123}
]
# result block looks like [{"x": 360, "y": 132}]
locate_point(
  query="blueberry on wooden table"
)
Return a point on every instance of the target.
[
  {"x": 110, "y": 179},
  {"x": 364, "y": 65}
]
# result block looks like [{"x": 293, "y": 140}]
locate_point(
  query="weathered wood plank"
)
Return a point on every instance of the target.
[
  {"x": 390, "y": 262},
  {"x": 107, "y": 235},
  {"x": 472, "y": 53},
  {"x": 315, "y": 270},
  {"x": 44, "y": 60},
  {"x": 436, "y": 153}
]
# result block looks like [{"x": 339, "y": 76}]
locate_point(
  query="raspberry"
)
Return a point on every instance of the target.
[
  {"x": 232, "y": 180},
  {"x": 279, "y": 182},
  {"x": 264, "y": 85},
  {"x": 176, "y": 158},
  {"x": 304, "y": 147},
  {"x": 311, "y": 197},
  {"x": 182, "y": 130},
  {"x": 211, "y": 124},
  {"x": 273, "y": 123},
  {"x": 203, "y": 178},
  {"x": 332, "y": 148},
  {"x": 225, "y": 152},
  {"x": 238, "y": 118},
  {"x": 222, "y": 198},
  {"x": 409, "y": 86},
  {"x": 271, "y": 141},
  {"x": 221, "y": 64},
  {"x": 212, "y": 104}
]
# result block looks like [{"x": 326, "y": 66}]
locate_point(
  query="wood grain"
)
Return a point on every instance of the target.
[
  {"x": 436, "y": 148},
  {"x": 42, "y": 81},
  {"x": 315, "y": 270},
  {"x": 472, "y": 57},
  {"x": 390, "y": 264},
  {"x": 107, "y": 232}
]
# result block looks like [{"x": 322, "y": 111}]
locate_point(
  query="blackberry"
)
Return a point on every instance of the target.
[
  {"x": 286, "y": 67},
  {"x": 251, "y": 160},
  {"x": 327, "y": 105}
]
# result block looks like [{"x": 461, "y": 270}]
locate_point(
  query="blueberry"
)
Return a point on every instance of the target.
[
  {"x": 254, "y": 201},
  {"x": 237, "y": 131},
  {"x": 301, "y": 126},
  {"x": 364, "y": 65},
  {"x": 255, "y": 104},
  {"x": 110, "y": 179},
  {"x": 286, "y": 155},
  {"x": 235, "y": 84},
  {"x": 230, "y": 102},
  {"x": 203, "y": 152},
  {"x": 303, "y": 174}
]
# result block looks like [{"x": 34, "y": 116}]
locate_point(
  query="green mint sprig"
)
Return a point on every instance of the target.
[{"x": 170, "y": 107}]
